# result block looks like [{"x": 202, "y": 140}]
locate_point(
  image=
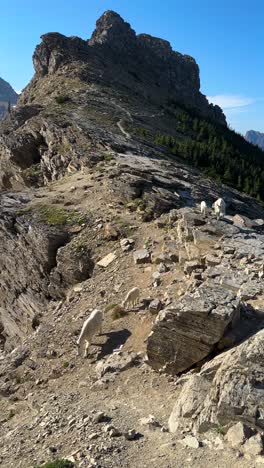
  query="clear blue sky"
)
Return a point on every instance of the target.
[{"x": 225, "y": 37}]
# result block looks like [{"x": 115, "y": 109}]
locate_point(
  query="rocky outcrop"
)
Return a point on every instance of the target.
[
  {"x": 39, "y": 261},
  {"x": 257, "y": 138},
  {"x": 189, "y": 330},
  {"x": 115, "y": 55},
  {"x": 8, "y": 96},
  {"x": 228, "y": 388},
  {"x": 73, "y": 265},
  {"x": 27, "y": 256}
]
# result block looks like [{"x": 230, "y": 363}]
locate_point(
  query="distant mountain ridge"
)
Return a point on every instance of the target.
[
  {"x": 257, "y": 138},
  {"x": 7, "y": 94}
]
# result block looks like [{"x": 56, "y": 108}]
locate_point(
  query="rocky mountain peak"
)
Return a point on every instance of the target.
[
  {"x": 142, "y": 66},
  {"x": 111, "y": 29},
  {"x": 257, "y": 138}
]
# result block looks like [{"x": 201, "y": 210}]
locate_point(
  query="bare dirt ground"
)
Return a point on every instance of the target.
[{"x": 59, "y": 393}]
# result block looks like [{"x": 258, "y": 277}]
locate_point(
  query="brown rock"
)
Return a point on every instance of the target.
[{"x": 187, "y": 331}]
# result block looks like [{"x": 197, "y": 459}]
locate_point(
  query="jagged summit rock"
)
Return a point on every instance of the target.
[
  {"x": 115, "y": 54},
  {"x": 111, "y": 29}
]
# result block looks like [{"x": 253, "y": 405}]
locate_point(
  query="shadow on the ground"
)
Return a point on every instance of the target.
[{"x": 114, "y": 340}]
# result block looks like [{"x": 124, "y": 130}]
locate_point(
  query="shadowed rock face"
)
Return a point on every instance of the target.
[
  {"x": 115, "y": 54},
  {"x": 257, "y": 138},
  {"x": 7, "y": 95},
  {"x": 188, "y": 331},
  {"x": 27, "y": 256}
]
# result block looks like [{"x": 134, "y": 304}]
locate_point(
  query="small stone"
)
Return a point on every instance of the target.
[
  {"x": 259, "y": 222},
  {"x": 155, "y": 306},
  {"x": 238, "y": 434},
  {"x": 162, "y": 268},
  {"x": 72, "y": 422},
  {"x": 161, "y": 258},
  {"x": 191, "y": 442},
  {"x": 211, "y": 260},
  {"x": 142, "y": 256},
  {"x": 156, "y": 275},
  {"x": 131, "y": 434},
  {"x": 229, "y": 250},
  {"x": 99, "y": 417},
  {"x": 116, "y": 363},
  {"x": 112, "y": 430},
  {"x": 127, "y": 244},
  {"x": 254, "y": 445},
  {"x": 52, "y": 449},
  {"x": 93, "y": 436},
  {"x": 150, "y": 421},
  {"x": 104, "y": 262},
  {"x": 191, "y": 266},
  {"x": 164, "y": 429},
  {"x": 78, "y": 288}
]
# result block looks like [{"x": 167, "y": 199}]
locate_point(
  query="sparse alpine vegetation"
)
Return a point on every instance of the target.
[
  {"x": 58, "y": 464},
  {"x": 59, "y": 216}
]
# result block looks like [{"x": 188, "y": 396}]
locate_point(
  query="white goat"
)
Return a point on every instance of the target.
[
  {"x": 203, "y": 208},
  {"x": 132, "y": 298},
  {"x": 219, "y": 207},
  {"x": 90, "y": 327}
]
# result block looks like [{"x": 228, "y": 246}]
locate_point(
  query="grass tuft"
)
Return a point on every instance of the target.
[{"x": 59, "y": 216}]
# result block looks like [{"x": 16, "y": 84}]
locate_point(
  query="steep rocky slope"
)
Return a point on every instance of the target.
[
  {"x": 7, "y": 96},
  {"x": 93, "y": 203},
  {"x": 257, "y": 138}
]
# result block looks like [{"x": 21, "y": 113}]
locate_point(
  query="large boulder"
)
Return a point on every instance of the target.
[
  {"x": 227, "y": 389},
  {"x": 189, "y": 330}
]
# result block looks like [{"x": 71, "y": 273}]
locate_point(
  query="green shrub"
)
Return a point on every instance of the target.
[
  {"x": 110, "y": 307},
  {"x": 221, "y": 430},
  {"x": 61, "y": 99},
  {"x": 108, "y": 157},
  {"x": 118, "y": 312},
  {"x": 58, "y": 464}
]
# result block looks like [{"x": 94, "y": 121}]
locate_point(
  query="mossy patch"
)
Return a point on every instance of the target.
[
  {"x": 58, "y": 464},
  {"x": 59, "y": 216}
]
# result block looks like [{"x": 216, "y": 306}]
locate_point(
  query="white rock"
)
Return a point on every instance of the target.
[
  {"x": 104, "y": 262},
  {"x": 254, "y": 445},
  {"x": 238, "y": 434},
  {"x": 191, "y": 442}
]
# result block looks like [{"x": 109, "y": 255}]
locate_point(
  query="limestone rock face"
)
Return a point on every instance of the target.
[
  {"x": 189, "y": 330},
  {"x": 142, "y": 63},
  {"x": 228, "y": 388}
]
